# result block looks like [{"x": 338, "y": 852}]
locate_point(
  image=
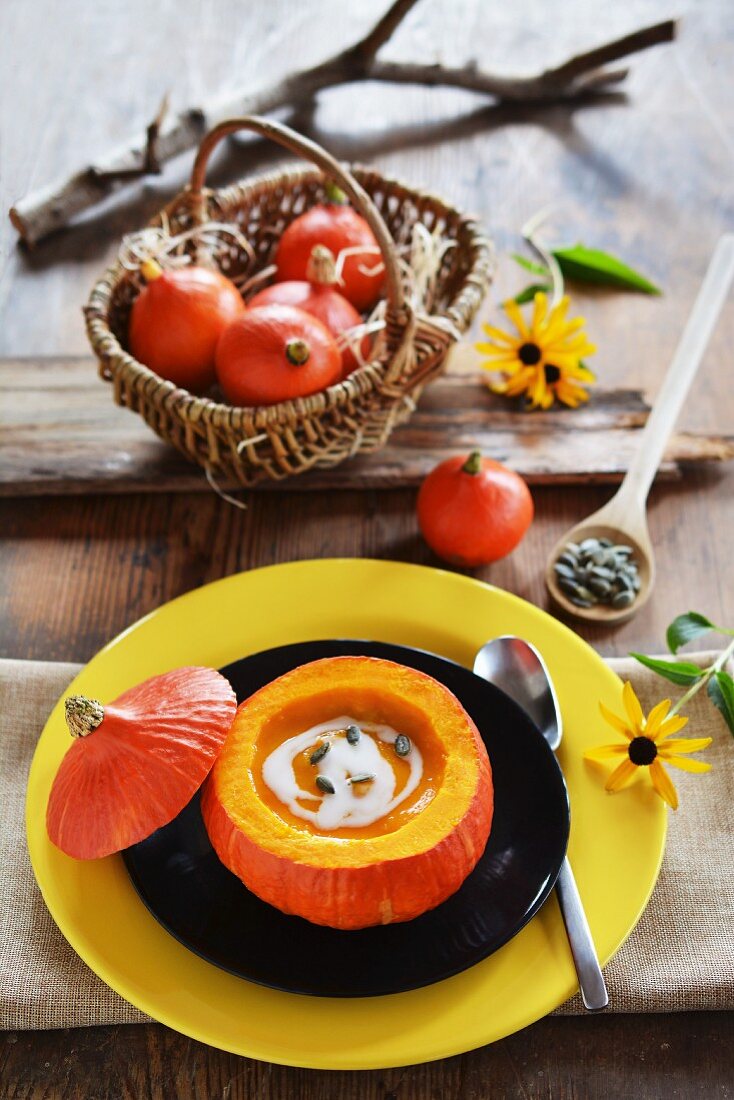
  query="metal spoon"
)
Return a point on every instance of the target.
[
  {"x": 516, "y": 667},
  {"x": 623, "y": 519}
]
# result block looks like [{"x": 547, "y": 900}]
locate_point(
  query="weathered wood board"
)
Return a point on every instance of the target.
[{"x": 61, "y": 433}]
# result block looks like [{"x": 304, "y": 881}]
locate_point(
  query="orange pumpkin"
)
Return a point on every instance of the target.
[
  {"x": 177, "y": 319},
  {"x": 338, "y": 227},
  {"x": 319, "y": 296},
  {"x": 472, "y": 510},
  {"x": 136, "y": 762},
  {"x": 276, "y": 353},
  {"x": 394, "y": 869}
]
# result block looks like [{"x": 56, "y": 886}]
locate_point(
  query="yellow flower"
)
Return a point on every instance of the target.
[
  {"x": 648, "y": 745},
  {"x": 544, "y": 360}
]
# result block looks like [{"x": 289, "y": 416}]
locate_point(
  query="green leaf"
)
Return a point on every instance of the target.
[
  {"x": 683, "y": 673},
  {"x": 685, "y": 628},
  {"x": 590, "y": 265},
  {"x": 529, "y": 293},
  {"x": 533, "y": 268},
  {"x": 721, "y": 694}
]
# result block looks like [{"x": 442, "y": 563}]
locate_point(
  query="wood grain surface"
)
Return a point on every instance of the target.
[
  {"x": 649, "y": 177},
  {"x": 60, "y": 434}
]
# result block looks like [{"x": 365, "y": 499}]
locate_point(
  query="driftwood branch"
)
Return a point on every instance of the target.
[{"x": 43, "y": 212}]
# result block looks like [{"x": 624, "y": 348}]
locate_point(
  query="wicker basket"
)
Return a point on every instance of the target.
[{"x": 247, "y": 445}]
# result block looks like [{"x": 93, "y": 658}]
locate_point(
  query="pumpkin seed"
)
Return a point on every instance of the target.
[
  {"x": 602, "y": 573},
  {"x": 324, "y": 784},
  {"x": 363, "y": 777},
  {"x": 319, "y": 752},
  {"x": 402, "y": 745},
  {"x": 353, "y": 734},
  {"x": 597, "y": 571},
  {"x": 569, "y": 587},
  {"x": 568, "y": 559},
  {"x": 564, "y": 570}
]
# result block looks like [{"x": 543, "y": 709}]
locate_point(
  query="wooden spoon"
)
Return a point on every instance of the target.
[{"x": 623, "y": 519}]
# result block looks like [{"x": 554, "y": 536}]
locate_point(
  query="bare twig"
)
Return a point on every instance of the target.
[
  {"x": 39, "y": 214},
  {"x": 151, "y": 165}
]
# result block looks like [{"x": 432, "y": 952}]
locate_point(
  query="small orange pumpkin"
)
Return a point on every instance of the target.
[
  {"x": 136, "y": 762},
  {"x": 473, "y": 510},
  {"x": 318, "y": 295},
  {"x": 393, "y": 870},
  {"x": 338, "y": 227},
  {"x": 276, "y": 353},
  {"x": 177, "y": 319}
]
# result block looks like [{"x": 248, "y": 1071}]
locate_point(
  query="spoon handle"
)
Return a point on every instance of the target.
[
  {"x": 591, "y": 980},
  {"x": 681, "y": 372}
]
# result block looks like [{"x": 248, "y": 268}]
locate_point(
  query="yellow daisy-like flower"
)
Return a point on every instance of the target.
[
  {"x": 648, "y": 745},
  {"x": 544, "y": 360}
]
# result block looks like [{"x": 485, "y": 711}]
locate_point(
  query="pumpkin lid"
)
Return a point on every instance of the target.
[{"x": 137, "y": 761}]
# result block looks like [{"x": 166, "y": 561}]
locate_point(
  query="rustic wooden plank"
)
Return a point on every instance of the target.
[{"x": 62, "y": 434}]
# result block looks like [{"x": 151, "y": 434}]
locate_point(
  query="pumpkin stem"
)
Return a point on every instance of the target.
[
  {"x": 151, "y": 270},
  {"x": 321, "y": 266},
  {"x": 82, "y": 715},
  {"x": 473, "y": 464},
  {"x": 297, "y": 352},
  {"x": 334, "y": 194}
]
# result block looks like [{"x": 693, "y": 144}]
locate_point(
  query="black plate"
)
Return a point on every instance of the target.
[{"x": 202, "y": 904}]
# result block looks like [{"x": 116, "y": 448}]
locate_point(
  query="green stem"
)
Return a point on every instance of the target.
[
  {"x": 473, "y": 464},
  {"x": 707, "y": 675}
]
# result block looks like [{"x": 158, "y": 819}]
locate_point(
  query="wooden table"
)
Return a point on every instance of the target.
[{"x": 650, "y": 178}]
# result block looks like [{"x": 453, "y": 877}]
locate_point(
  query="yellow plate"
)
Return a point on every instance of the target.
[{"x": 616, "y": 842}]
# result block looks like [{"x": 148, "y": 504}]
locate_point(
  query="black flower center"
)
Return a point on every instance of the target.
[
  {"x": 552, "y": 374},
  {"x": 642, "y": 750},
  {"x": 529, "y": 354}
]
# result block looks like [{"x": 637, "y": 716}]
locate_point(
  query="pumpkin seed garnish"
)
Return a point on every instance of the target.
[
  {"x": 402, "y": 745},
  {"x": 363, "y": 777},
  {"x": 319, "y": 753},
  {"x": 597, "y": 571},
  {"x": 353, "y": 734},
  {"x": 324, "y": 784}
]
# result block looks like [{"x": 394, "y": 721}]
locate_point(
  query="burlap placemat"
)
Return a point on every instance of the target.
[{"x": 680, "y": 956}]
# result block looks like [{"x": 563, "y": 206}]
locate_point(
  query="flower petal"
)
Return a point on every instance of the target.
[
  {"x": 569, "y": 394},
  {"x": 683, "y": 744},
  {"x": 663, "y": 784},
  {"x": 655, "y": 718},
  {"x": 495, "y": 350},
  {"x": 605, "y": 752},
  {"x": 616, "y": 722},
  {"x": 633, "y": 708},
  {"x": 621, "y": 776},
  {"x": 499, "y": 334},
  {"x": 520, "y": 381},
  {"x": 687, "y": 765},
  {"x": 514, "y": 312},
  {"x": 540, "y": 310},
  {"x": 672, "y": 725}
]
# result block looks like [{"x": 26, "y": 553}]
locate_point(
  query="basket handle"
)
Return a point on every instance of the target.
[{"x": 308, "y": 149}]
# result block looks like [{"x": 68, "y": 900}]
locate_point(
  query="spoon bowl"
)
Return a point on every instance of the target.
[
  {"x": 516, "y": 667},
  {"x": 600, "y": 525}
]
